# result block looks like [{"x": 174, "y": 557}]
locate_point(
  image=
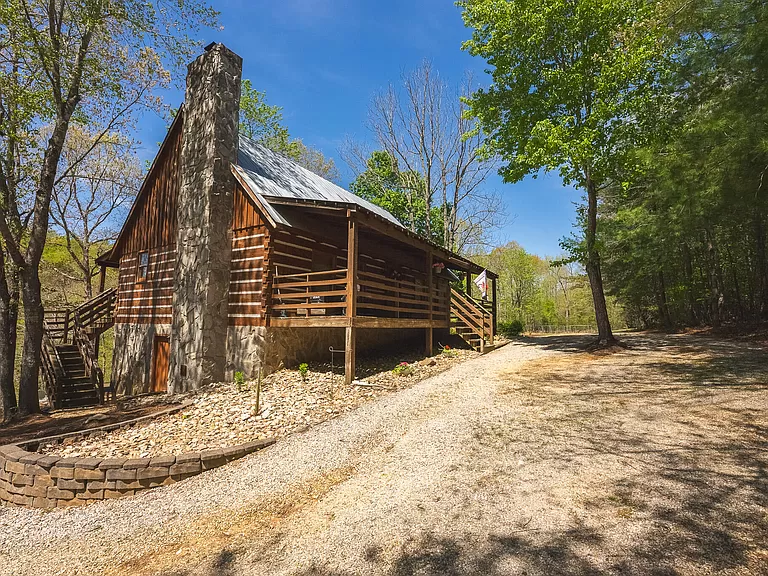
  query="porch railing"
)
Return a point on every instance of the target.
[
  {"x": 52, "y": 368},
  {"x": 90, "y": 359},
  {"x": 309, "y": 294},
  {"x": 382, "y": 296},
  {"x": 313, "y": 294}
]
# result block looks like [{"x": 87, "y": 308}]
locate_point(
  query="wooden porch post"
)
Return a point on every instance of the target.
[
  {"x": 469, "y": 283},
  {"x": 349, "y": 345},
  {"x": 102, "y": 278},
  {"x": 102, "y": 283},
  {"x": 495, "y": 306},
  {"x": 429, "y": 342}
]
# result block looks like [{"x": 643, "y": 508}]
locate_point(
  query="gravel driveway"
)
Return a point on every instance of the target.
[{"x": 533, "y": 459}]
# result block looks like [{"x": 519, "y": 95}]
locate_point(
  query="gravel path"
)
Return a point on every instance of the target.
[{"x": 529, "y": 460}]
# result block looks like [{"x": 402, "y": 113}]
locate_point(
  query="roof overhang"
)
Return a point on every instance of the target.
[
  {"x": 364, "y": 216},
  {"x": 106, "y": 260}
]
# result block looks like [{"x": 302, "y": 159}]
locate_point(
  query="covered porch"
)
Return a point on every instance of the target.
[{"x": 369, "y": 273}]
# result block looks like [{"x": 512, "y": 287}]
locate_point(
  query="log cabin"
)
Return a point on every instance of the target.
[{"x": 234, "y": 258}]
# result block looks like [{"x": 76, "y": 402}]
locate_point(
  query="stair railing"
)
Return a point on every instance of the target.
[
  {"x": 88, "y": 354},
  {"x": 473, "y": 315},
  {"x": 97, "y": 309},
  {"x": 52, "y": 368}
]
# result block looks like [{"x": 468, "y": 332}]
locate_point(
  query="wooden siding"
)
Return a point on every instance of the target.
[
  {"x": 152, "y": 221},
  {"x": 248, "y": 274},
  {"x": 151, "y": 227},
  {"x": 149, "y": 301}
]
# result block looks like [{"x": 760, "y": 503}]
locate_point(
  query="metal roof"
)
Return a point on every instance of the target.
[{"x": 271, "y": 175}]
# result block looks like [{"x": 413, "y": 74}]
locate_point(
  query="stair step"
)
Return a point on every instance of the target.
[
  {"x": 75, "y": 389},
  {"x": 79, "y": 402},
  {"x": 78, "y": 392},
  {"x": 76, "y": 381}
]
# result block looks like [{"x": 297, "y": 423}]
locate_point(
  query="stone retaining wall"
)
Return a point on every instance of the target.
[{"x": 46, "y": 481}]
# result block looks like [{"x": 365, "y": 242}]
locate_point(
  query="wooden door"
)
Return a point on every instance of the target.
[{"x": 161, "y": 355}]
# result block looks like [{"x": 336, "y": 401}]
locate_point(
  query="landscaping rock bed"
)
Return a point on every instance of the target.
[{"x": 222, "y": 415}]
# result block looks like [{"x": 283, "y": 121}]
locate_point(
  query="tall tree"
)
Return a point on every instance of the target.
[
  {"x": 422, "y": 124},
  {"x": 60, "y": 59},
  {"x": 567, "y": 80},
  {"x": 686, "y": 243},
  {"x": 384, "y": 184},
  {"x": 89, "y": 200}
]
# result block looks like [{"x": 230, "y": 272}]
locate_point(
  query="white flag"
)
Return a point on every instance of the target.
[{"x": 482, "y": 282}]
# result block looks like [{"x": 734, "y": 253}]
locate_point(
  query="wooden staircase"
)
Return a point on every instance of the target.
[
  {"x": 472, "y": 320},
  {"x": 70, "y": 366}
]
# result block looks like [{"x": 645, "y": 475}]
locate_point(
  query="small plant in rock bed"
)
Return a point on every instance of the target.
[
  {"x": 403, "y": 369},
  {"x": 240, "y": 381},
  {"x": 448, "y": 351},
  {"x": 304, "y": 370}
]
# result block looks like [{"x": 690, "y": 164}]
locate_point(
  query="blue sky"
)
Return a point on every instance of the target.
[{"x": 323, "y": 60}]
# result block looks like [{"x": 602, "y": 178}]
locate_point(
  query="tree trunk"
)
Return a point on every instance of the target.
[
  {"x": 29, "y": 402},
  {"x": 736, "y": 283},
  {"x": 7, "y": 356},
  {"x": 87, "y": 278},
  {"x": 605, "y": 334},
  {"x": 714, "y": 292},
  {"x": 761, "y": 267},
  {"x": 13, "y": 286},
  {"x": 688, "y": 267},
  {"x": 663, "y": 306}
]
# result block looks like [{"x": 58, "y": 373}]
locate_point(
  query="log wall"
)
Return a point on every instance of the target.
[
  {"x": 151, "y": 227},
  {"x": 148, "y": 301},
  {"x": 249, "y": 264}
]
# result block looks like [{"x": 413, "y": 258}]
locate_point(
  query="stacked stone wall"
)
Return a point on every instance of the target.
[{"x": 36, "y": 480}]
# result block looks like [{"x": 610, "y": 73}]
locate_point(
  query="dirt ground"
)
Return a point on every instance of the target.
[
  {"x": 75, "y": 419},
  {"x": 535, "y": 459},
  {"x": 659, "y": 454}
]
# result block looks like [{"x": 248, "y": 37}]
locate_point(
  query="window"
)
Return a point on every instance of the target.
[{"x": 143, "y": 266}]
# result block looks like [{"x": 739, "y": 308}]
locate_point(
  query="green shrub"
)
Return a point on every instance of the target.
[
  {"x": 511, "y": 329},
  {"x": 239, "y": 381},
  {"x": 304, "y": 370}
]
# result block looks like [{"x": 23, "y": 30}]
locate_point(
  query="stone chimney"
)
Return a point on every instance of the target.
[{"x": 204, "y": 219}]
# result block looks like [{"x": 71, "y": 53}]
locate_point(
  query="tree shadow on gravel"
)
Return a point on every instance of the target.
[
  {"x": 680, "y": 483},
  {"x": 692, "y": 519},
  {"x": 223, "y": 564}
]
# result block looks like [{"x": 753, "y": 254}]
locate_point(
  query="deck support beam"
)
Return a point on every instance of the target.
[
  {"x": 351, "y": 331},
  {"x": 429, "y": 332},
  {"x": 494, "y": 308}
]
